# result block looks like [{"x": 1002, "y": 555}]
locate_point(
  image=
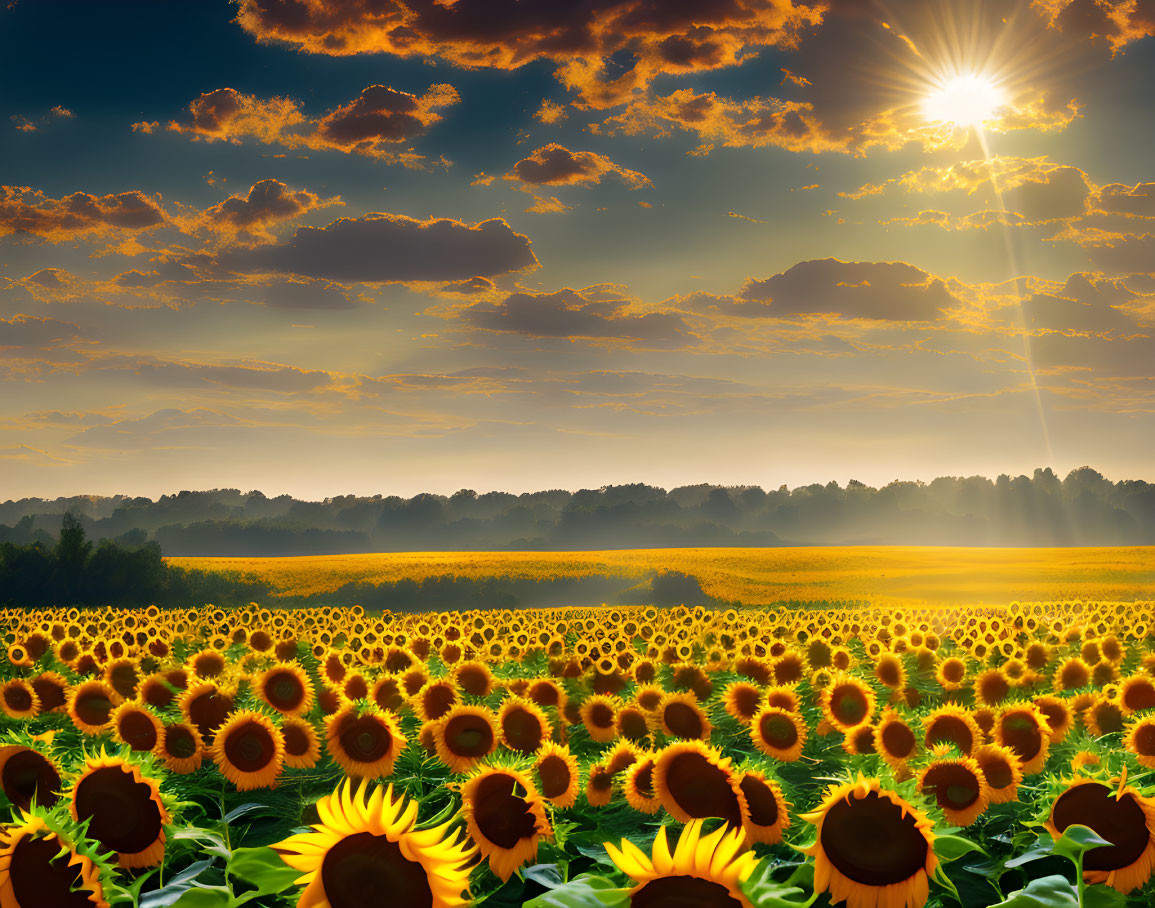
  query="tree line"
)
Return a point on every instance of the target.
[{"x": 1082, "y": 508}]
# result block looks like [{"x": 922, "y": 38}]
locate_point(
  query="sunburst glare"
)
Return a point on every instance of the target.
[{"x": 965, "y": 100}]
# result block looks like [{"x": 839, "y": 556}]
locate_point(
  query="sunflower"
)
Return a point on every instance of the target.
[
  {"x": 249, "y": 750},
  {"x": 872, "y": 847},
  {"x": 1023, "y": 728},
  {"x": 778, "y": 733},
  {"x": 52, "y": 689},
  {"x": 1072, "y": 674},
  {"x": 767, "y": 811},
  {"x": 599, "y": 716},
  {"x": 435, "y": 699},
  {"x": 1103, "y": 717},
  {"x": 632, "y": 723},
  {"x": 90, "y": 706},
  {"x": 1002, "y": 770},
  {"x": 894, "y": 740},
  {"x": 638, "y": 785},
  {"x": 1058, "y": 715},
  {"x": 784, "y": 698},
  {"x": 302, "y": 747},
  {"x": 952, "y": 725},
  {"x": 694, "y": 781},
  {"x": 959, "y": 788},
  {"x": 679, "y": 716},
  {"x": 122, "y": 674},
  {"x": 43, "y": 869},
  {"x": 18, "y": 699},
  {"x": 951, "y": 673},
  {"x": 557, "y": 771},
  {"x": 368, "y": 848},
  {"x": 474, "y": 678},
  {"x": 180, "y": 747},
  {"x": 26, "y": 775},
  {"x": 648, "y": 696},
  {"x": 124, "y": 810},
  {"x": 742, "y": 700},
  {"x": 703, "y": 870},
  {"x": 136, "y": 726},
  {"x": 465, "y": 736},
  {"x": 859, "y": 740},
  {"x": 286, "y": 688},
  {"x": 847, "y": 702},
  {"x": 206, "y": 706},
  {"x": 1123, "y": 818},
  {"x": 363, "y": 740},
  {"x": 599, "y": 785},
  {"x": 890, "y": 671},
  {"x": 524, "y": 727},
  {"x": 991, "y": 687},
  {"x": 207, "y": 664},
  {"x": 1138, "y": 694},
  {"x": 545, "y": 692},
  {"x": 505, "y": 817}
]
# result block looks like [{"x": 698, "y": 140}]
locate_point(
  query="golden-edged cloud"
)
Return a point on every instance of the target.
[
  {"x": 556, "y": 165},
  {"x": 254, "y": 214},
  {"x": 25, "y": 211},
  {"x": 604, "y": 51},
  {"x": 373, "y": 124}
]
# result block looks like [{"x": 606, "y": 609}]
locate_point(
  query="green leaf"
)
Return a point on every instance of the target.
[
  {"x": 203, "y": 897},
  {"x": 583, "y": 891},
  {"x": 237, "y": 812},
  {"x": 262, "y": 868},
  {"x": 1103, "y": 897},
  {"x": 1043, "y": 847},
  {"x": 547, "y": 875},
  {"x": 1077, "y": 839},
  {"x": 952, "y": 847},
  {"x": 176, "y": 887},
  {"x": 1045, "y": 892},
  {"x": 765, "y": 892}
]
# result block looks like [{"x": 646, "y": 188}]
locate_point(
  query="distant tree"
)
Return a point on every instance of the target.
[{"x": 71, "y": 556}]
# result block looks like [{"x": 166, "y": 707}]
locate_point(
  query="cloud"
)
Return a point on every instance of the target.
[
  {"x": 26, "y": 124},
  {"x": 550, "y": 112},
  {"x": 891, "y": 291},
  {"x": 556, "y": 165},
  {"x": 28, "y": 212},
  {"x": 268, "y": 203},
  {"x": 389, "y": 248},
  {"x": 373, "y": 124},
  {"x": 1116, "y": 22},
  {"x": 32, "y": 332},
  {"x": 602, "y": 311},
  {"x": 603, "y": 51}
]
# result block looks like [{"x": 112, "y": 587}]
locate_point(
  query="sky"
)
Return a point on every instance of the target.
[{"x": 327, "y": 247}]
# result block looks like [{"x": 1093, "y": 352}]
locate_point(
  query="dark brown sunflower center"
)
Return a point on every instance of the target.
[
  {"x": 601, "y": 779},
  {"x": 1109, "y": 718},
  {"x": 249, "y": 747},
  {"x": 356, "y": 688},
  {"x": 1120, "y": 821},
  {"x": 683, "y": 892},
  {"x": 555, "y": 776},
  {"x": 208, "y": 713},
  {"x": 123, "y": 680},
  {"x": 890, "y": 672},
  {"x": 469, "y": 736},
  {"x": 296, "y": 741},
  {"x": 644, "y": 780},
  {"x": 1055, "y": 714},
  {"x": 41, "y": 876},
  {"x": 995, "y": 688},
  {"x": 27, "y": 774},
  {"x": 898, "y": 740},
  {"x": 501, "y": 816},
  {"x": 365, "y": 739},
  {"x": 179, "y": 742},
  {"x": 950, "y": 730},
  {"x": 51, "y": 694},
  {"x": 954, "y": 787},
  {"x": 702, "y": 789},
  {"x": 683, "y": 720},
  {"x": 285, "y": 691},
  {"x": 1074, "y": 675},
  {"x": 124, "y": 816},
  {"x": 1021, "y": 734},
  {"x": 544, "y": 694},
  {"x": 998, "y": 772},
  {"x": 871, "y": 841},
  {"x": 1139, "y": 695},
  {"x": 788, "y": 670},
  {"x": 649, "y": 699},
  {"x": 137, "y": 730},
  {"x": 93, "y": 707},
  {"x": 848, "y": 704},
  {"x": 473, "y": 682},
  {"x": 438, "y": 699},
  {"x": 365, "y": 870},
  {"x": 601, "y": 715},
  {"x": 18, "y": 698},
  {"x": 388, "y": 695},
  {"x": 760, "y": 800},
  {"x": 157, "y": 694},
  {"x": 209, "y": 665},
  {"x": 522, "y": 730},
  {"x": 953, "y": 670},
  {"x": 632, "y": 724},
  {"x": 745, "y": 700},
  {"x": 778, "y": 731}
]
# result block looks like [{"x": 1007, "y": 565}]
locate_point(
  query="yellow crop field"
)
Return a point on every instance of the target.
[{"x": 753, "y": 576}]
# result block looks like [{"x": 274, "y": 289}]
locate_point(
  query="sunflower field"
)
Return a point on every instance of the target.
[{"x": 579, "y": 758}]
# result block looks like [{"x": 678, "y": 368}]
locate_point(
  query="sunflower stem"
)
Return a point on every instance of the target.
[{"x": 1079, "y": 877}]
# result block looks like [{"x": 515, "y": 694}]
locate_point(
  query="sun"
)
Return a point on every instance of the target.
[{"x": 964, "y": 100}]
